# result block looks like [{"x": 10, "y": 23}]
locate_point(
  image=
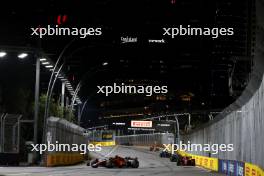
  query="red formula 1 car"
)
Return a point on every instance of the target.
[
  {"x": 116, "y": 161},
  {"x": 186, "y": 161}
]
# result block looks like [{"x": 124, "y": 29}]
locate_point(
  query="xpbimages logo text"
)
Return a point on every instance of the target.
[
  {"x": 183, "y": 30},
  {"x": 65, "y": 31},
  {"x": 58, "y": 147},
  {"x": 131, "y": 89},
  {"x": 190, "y": 147}
]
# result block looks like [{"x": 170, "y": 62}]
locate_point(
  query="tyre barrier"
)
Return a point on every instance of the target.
[{"x": 64, "y": 132}]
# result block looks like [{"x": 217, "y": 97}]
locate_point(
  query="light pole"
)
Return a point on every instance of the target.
[
  {"x": 50, "y": 84},
  {"x": 49, "y": 93},
  {"x": 78, "y": 87},
  {"x": 36, "y": 106},
  {"x": 52, "y": 87},
  {"x": 82, "y": 109},
  {"x": 22, "y": 56},
  {"x": 62, "y": 94},
  {"x": 178, "y": 130},
  {"x": 88, "y": 73}
]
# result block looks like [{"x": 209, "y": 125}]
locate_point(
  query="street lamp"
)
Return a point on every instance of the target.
[
  {"x": 49, "y": 66},
  {"x": 44, "y": 63},
  {"x": 42, "y": 59},
  {"x": 2, "y": 54},
  {"x": 22, "y": 55},
  {"x": 88, "y": 73},
  {"x": 105, "y": 63}
]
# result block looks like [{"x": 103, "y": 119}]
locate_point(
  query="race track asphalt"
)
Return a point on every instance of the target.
[{"x": 150, "y": 165}]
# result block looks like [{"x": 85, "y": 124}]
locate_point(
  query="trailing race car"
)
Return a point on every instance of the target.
[
  {"x": 116, "y": 161},
  {"x": 185, "y": 161},
  {"x": 174, "y": 157},
  {"x": 165, "y": 154}
]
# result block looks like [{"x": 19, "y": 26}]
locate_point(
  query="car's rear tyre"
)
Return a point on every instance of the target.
[
  {"x": 135, "y": 164},
  {"x": 193, "y": 162},
  {"x": 94, "y": 164},
  {"x": 109, "y": 164}
]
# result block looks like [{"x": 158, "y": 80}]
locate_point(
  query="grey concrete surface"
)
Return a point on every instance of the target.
[{"x": 150, "y": 165}]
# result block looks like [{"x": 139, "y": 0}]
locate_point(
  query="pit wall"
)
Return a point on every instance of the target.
[
  {"x": 64, "y": 132},
  {"x": 242, "y": 123}
]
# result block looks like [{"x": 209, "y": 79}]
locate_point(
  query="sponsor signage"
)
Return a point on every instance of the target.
[
  {"x": 253, "y": 170},
  {"x": 206, "y": 162},
  {"x": 232, "y": 168},
  {"x": 156, "y": 41},
  {"x": 119, "y": 123},
  {"x": 141, "y": 129},
  {"x": 141, "y": 124},
  {"x": 164, "y": 126},
  {"x": 107, "y": 135},
  {"x": 128, "y": 39}
]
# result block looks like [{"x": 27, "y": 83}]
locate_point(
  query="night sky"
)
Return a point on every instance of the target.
[{"x": 198, "y": 66}]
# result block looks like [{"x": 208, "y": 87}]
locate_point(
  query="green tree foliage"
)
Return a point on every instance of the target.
[{"x": 55, "y": 109}]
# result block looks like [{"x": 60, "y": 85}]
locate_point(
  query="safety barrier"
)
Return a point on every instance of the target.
[
  {"x": 241, "y": 123},
  {"x": 206, "y": 162},
  {"x": 103, "y": 143},
  {"x": 9, "y": 133},
  {"x": 64, "y": 132},
  {"x": 146, "y": 139},
  {"x": 228, "y": 167},
  {"x": 253, "y": 170},
  {"x": 58, "y": 159},
  {"x": 102, "y": 137}
]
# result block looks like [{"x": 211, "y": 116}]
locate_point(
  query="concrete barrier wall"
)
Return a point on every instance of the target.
[
  {"x": 64, "y": 132},
  {"x": 242, "y": 123},
  {"x": 146, "y": 139}
]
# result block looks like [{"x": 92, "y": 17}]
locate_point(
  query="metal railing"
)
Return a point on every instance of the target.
[{"x": 10, "y": 133}]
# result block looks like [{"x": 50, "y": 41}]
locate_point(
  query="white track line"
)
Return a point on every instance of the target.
[{"x": 111, "y": 151}]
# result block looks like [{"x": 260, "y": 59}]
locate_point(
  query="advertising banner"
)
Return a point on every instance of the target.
[
  {"x": 164, "y": 126},
  {"x": 253, "y": 170},
  {"x": 232, "y": 168},
  {"x": 106, "y": 135},
  {"x": 206, "y": 162},
  {"x": 141, "y": 124}
]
